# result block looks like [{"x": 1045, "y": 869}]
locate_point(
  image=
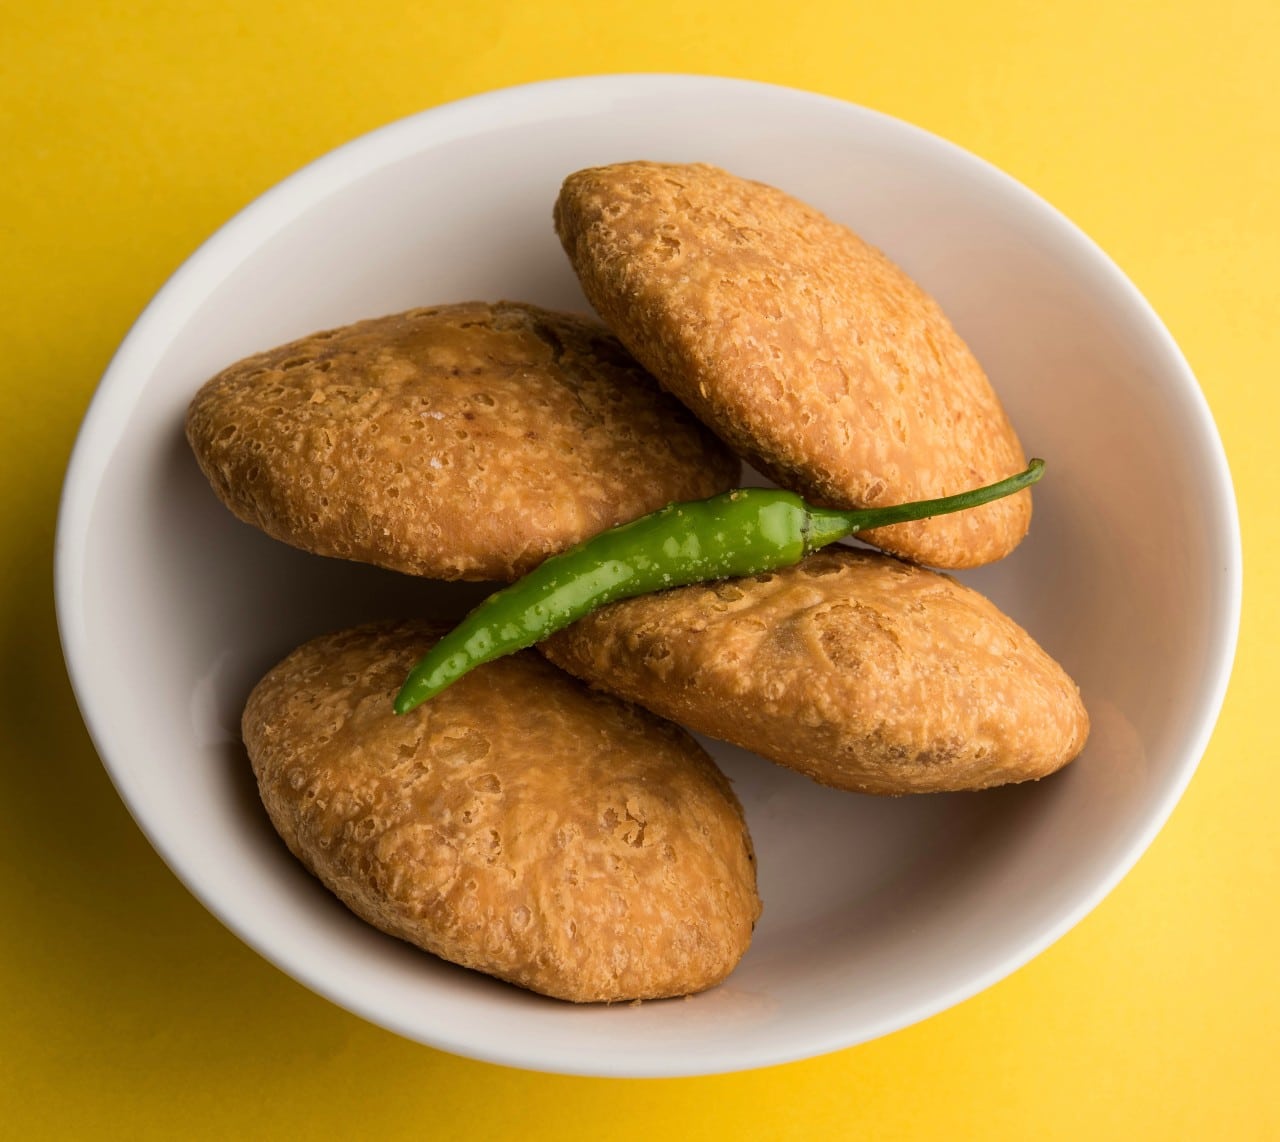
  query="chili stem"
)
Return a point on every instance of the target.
[{"x": 826, "y": 526}]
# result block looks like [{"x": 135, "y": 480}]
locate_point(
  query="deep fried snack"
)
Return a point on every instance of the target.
[
  {"x": 861, "y": 671},
  {"x": 519, "y": 824},
  {"x": 805, "y": 349},
  {"x": 458, "y": 442}
]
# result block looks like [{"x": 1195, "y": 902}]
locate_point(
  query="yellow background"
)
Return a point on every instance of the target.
[{"x": 129, "y": 131}]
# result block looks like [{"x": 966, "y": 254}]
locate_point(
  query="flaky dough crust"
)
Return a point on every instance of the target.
[
  {"x": 457, "y": 442},
  {"x": 864, "y": 672},
  {"x": 518, "y": 823},
  {"x": 808, "y": 351}
]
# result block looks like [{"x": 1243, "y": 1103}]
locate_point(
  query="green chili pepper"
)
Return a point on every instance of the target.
[{"x": 743, "y": 532}]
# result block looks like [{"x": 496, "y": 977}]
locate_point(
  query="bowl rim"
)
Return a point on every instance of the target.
[{"x": 218, "y": 255}]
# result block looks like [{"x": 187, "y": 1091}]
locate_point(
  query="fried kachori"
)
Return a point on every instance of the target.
[
  {"x": 519, "y": 824},
  {"x": 806, "y": 349},
  {"x": 862, "y": 671},
  {"x": 463, "y": 441}
]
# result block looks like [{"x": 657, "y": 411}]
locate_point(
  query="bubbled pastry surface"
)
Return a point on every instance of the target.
[
  {"x": 518, "y": 823},
  {"x": 862, "y": 671},
  {"x": 463, "y": 441},
  {"x": 808, "y": 351}
]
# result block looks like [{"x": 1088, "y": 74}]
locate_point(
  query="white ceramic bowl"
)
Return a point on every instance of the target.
[{"x": 877, "y": 912}]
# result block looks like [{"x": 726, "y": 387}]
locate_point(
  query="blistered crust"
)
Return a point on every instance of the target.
[
  {"x": 458, "y": 442},
  {"x": 864, "y": 672},
  {"x": 805, "y": 349},
  {"x": 518, "y": 824}
]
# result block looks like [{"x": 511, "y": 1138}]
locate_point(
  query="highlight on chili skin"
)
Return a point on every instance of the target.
[{"x": 743, "y": 532}]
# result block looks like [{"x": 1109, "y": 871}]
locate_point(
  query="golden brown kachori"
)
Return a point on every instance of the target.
[
  {"x": 809, "y": 352},
  {"x": 519, "y": 823},
  {"x": 463, "y": 441},
  {"x": 860, "y": 670}
]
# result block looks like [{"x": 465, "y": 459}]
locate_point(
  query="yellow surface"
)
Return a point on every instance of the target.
[{"x": 129, "y": 131}]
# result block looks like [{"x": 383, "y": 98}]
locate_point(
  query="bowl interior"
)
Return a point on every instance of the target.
[{"x": 877, "y": 912}]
